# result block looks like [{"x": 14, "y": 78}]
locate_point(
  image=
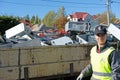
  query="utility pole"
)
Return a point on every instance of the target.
[{"x": 108, "y": 11}]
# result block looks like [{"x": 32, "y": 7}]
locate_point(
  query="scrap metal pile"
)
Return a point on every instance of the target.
[{"x": 21, "y": 35}]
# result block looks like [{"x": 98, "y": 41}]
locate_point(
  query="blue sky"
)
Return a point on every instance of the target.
[{"x": 22, "y": 8}]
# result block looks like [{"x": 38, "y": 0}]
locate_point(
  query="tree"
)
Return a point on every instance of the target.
[
  {"x": 60, "y": 23},
  {"x": 32, "y": 20},
  {"x": 48, "y": 20},
  {"x": 27, "y": 17},
  {"x": 37, "y": 20},
  {"x": 60, "y": 12},
  {"x": 7, "y": 22},
  {"x": 60, "y": 18},
  {"x": 103, "y": 18},
  {"x": 51, "y": 18}
]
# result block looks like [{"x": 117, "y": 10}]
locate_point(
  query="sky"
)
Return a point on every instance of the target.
[{"x": 40, "y": 8}]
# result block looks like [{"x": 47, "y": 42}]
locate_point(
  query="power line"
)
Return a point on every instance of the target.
[
  {"x": 27, "y": 4},
  {"x": 115, "y": 2},
  {"x": 50, "y": 5},
  {"x": 19, "y": 3},
  {"x": 50, "y": 1},
  {"x": 72, "y": 2}
]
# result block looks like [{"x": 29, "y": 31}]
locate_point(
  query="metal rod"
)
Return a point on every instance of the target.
[
  {"x": 26, "y": 74},
  {"x": 19, "y": 66},
  {"x": 71, "y": 68}
]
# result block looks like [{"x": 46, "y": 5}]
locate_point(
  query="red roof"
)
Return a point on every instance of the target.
[
  {"x": 94, "y": 17},
  {"x": 79, "y": 15}
]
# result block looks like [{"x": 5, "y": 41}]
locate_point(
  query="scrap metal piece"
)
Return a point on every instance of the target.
[
  {"x": 114, "y": 30},
  {"x": 62, "y": 41},
  {"x": 18, "y": 31}
]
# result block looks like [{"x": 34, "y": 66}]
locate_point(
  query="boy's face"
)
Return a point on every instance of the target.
[{"x": 101, "y": 38}]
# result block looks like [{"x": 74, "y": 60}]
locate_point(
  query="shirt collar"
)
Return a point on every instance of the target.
[{"x": 99, "y": 50}]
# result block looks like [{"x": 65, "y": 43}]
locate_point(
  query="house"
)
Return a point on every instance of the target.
[
  {"x": 80, "y": 16},
  {"x": 84, "y": 17}
]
